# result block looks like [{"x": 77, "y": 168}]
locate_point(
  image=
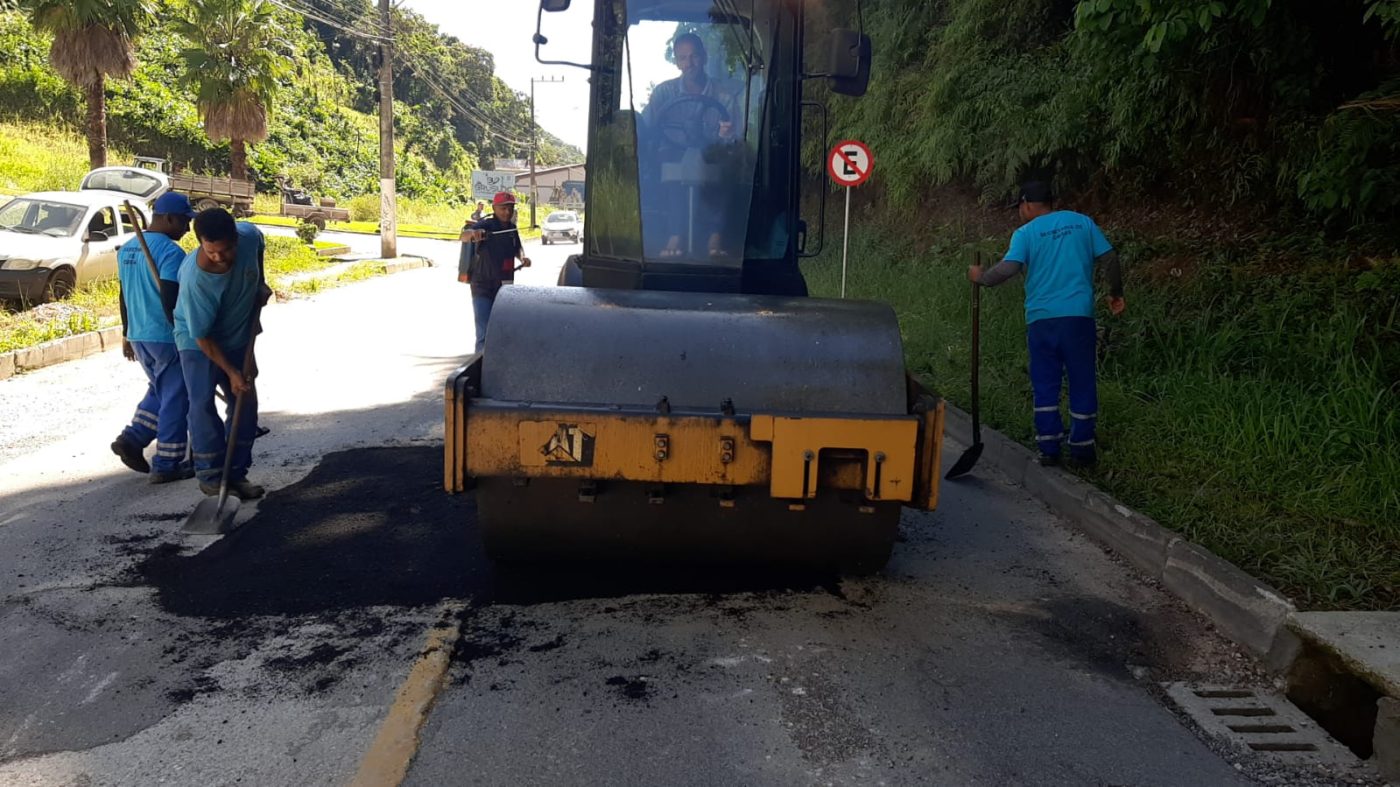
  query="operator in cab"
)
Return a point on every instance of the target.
[{"x": 692, "y": 119}]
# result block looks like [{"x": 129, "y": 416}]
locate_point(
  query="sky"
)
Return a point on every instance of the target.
[{"x": 504, "y": 28}]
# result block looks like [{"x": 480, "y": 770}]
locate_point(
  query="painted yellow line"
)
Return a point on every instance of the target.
[{"x": 386, "y": 762}]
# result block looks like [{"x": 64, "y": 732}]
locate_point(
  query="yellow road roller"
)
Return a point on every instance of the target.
[{"x": 679, "y": 397}]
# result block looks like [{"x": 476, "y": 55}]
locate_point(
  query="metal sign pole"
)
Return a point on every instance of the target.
[{"x": 845, "y": 241}]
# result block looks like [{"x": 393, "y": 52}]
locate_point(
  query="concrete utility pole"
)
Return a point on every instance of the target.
[
  {"x": 534, "y": 145},
  {"x": 388, "y": 200}
]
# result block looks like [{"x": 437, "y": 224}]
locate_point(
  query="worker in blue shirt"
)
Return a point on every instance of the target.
[
  {"x": 1057, "y": 250},
  {"x": 147, "y": 314},
  {"x": 221, "y": 288}
]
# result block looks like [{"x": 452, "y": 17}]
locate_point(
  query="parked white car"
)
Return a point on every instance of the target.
[
  {"x": 561, "y": 225},
  {"x": 51, "y": 242}
]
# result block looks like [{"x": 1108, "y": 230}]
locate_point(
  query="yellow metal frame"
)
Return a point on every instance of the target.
[{"x": 886, "y": 458}]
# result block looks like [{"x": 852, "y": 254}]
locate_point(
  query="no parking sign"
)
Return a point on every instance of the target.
[{"x": 849, "y": 164}]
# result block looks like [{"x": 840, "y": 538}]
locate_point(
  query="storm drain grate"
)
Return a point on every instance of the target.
[{"x": 1259, "y": 721}]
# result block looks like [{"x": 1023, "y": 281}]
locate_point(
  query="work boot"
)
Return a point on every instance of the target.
[
  {"x": 168, "y": 476},
  {"x": 1049, "y": 460},
  {"x": 130, "y": 454},
  {"x": 243, "y": 490}
]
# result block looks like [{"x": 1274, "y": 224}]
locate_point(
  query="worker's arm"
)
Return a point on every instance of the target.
[
  {"x": 997, "y": 274},
  {"x": 169, "y": 296},
  {"x": 215, "y": 353},
  {"x": 1113, "y": 271},
  {"x": 127, "y": 351}
]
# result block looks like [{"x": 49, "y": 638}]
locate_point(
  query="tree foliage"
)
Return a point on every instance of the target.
[
  {"x": 1282, "y": 104},
  {"x": 321, "y": 129}
]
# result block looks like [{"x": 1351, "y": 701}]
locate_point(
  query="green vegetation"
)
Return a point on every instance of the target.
[
  {"x": 322, "y": 131},
  {"x": 1252, "y": 106},
  {"x": 40, "y": 158}
]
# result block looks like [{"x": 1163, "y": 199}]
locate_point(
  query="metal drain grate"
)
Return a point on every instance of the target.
[{"x": 1259, "y": 721}]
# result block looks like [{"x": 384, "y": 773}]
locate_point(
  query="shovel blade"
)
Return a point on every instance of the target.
[
  {"x": 211, "y": 519},
  {"x": 965, "y": 462}
]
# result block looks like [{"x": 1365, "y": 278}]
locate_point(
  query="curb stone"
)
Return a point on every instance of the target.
[
  {"x": 1387, "y": 738},
  {"x": 72, "y": 348},
  {"x": 1246, "y": 610}
]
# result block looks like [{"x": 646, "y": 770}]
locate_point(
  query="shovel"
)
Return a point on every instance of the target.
[
  {"x": 214, "y": 515},
  {"x": 974, "y": 452}
]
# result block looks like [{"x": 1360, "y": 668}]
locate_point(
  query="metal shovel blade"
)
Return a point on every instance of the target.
[
  {"x": 211, "y": 519},
  {"x": 965, "y": 462}
]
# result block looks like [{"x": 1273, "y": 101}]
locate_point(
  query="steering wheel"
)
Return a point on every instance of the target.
[{"x": 692, "y": 130}]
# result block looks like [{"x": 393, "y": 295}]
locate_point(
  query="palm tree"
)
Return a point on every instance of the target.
[
  {"x": 234, "y": 65},
  {"x": 92, "y": 40}
]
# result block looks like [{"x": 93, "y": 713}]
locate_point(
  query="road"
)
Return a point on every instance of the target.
[{"x": 1000, "y": 647}]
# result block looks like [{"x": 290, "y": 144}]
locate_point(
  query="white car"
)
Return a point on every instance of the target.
[
  {"x": 561, "y": 225},
  {"x": 51, "y": 242}
]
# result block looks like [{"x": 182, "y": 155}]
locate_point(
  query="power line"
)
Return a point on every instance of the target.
[{"x": 342, "y": 25}]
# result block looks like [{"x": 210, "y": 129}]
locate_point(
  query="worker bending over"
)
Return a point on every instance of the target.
[
  {"x": 1058, "y": 249},
  {"x": 221, "y": 289}
]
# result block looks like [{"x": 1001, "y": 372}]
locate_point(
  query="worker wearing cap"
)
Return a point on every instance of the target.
[
  {"x": 147, "y": 311},
  {"x": 497, "y": 246},
  {"x": 221, "y": 288},
  {"x": 1057, "y": 250}
]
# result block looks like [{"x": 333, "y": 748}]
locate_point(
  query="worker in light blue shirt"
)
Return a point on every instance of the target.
[
  {"x": 147, "y": 304},
  {"x": 1058, "y": 250},
  {"x": 221, "y": 288}
]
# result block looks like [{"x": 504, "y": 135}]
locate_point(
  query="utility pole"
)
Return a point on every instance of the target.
[
  {"x": 388, "y": 200},
  {"x": 534, "y": 145}
]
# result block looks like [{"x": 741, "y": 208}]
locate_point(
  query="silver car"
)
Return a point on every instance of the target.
[{"x": 561, "y": 225}]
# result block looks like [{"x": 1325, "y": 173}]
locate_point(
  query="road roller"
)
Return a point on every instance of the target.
[{"x": 679, "y": 397}]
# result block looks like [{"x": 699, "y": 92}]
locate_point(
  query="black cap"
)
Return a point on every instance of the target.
[{"x": 1036, "y": 191}]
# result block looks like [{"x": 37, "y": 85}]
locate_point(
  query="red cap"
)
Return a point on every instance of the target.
[{"x": 503, "y": 198}]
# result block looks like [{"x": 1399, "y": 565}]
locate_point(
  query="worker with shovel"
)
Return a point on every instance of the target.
[
  {"x": 1057, "y": 250},
  {"x": 490, "y": 249},
  {"x": 149, "y": 288},
  {"x": 221, "y": 291}
]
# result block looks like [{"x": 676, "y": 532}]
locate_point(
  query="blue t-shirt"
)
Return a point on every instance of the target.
[
  {"x": 1058, "y": 251},
  {"x": 145, "y": 316},
  {"x": 219, "y": 306}
]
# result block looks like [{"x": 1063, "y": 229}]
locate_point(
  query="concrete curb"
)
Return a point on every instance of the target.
[
  {"x": 72, "y": 348},
  {"x": 1248, "y": 611}
]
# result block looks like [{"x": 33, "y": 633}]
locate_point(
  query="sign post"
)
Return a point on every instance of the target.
[{"x": 849, "y": 165}]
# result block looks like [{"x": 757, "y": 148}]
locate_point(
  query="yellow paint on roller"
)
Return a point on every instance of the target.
[{"x": 386, "y": 762}]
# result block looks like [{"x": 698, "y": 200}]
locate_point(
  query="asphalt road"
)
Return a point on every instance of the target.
[{"x": 998, "y": 648}]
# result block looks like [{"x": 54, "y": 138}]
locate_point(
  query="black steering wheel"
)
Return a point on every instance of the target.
[{"x": 692, "y": 130}]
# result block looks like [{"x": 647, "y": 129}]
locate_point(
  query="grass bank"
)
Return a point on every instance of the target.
[{"x": 1249, "y": 403}]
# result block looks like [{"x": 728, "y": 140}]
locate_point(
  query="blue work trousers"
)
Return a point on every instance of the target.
[
  {"x": 1064, "y": 348},
  {"x": 162, "y": 412},
  {"x": 210, "y": 432},
  {"x": 481, "y": 311}
]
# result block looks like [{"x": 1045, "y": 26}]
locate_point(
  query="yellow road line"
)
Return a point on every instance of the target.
[{"x": 386, "y": 762}]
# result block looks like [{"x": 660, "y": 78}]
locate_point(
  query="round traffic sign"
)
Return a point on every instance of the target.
[{"x": 849, "y": 163}]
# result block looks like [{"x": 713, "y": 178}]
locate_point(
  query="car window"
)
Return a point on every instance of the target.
[
  {"x": 562, "y": 215},
  {"x": 103, "y": 221},
  {"x": 126, "y": 221},
  {"x": 40, "y": 216},
  {"x": 128, "y": 180}
]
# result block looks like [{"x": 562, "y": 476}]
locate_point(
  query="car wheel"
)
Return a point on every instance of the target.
[
  {"x": 544, "y": 239},
  {"x": 60, "y": 285},
  {"x": 207, "y": 204}
]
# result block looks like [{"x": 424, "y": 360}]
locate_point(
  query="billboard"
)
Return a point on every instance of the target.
[{"x": 485, "y": 183}]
